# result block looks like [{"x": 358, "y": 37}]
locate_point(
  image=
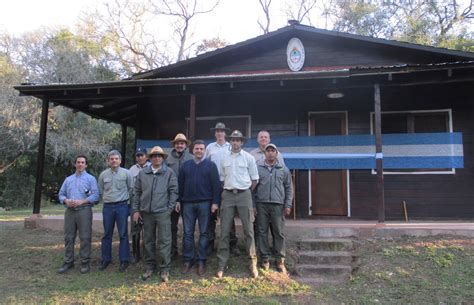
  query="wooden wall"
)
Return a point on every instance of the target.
[{"x": 285, "y": 114}]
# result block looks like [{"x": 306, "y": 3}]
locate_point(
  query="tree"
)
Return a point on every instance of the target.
[
  {"x": 212, "y": 44},
  {"x": 300, "y": 10},
  {"x": 265, "y": 25},
  {"x": 184, "y": 11}
]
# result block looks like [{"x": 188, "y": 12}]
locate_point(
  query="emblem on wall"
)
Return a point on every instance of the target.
[{"x": 295, "y": 54}]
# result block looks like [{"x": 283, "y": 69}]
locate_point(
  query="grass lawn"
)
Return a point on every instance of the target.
[
  {"x": 402, "y": 271},
  {"x": 20, "y": 214}
]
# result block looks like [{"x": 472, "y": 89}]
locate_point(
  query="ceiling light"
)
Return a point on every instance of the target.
[
  {"x": 335, "y": 95},
  {"x": 96, "y": 106}
]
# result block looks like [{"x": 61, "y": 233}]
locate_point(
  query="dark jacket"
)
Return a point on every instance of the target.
[
  {"x": 155, "y": 193},
  {"x": 199, "y": 182},
  {"x": 175, "y": 162},
  {"x": 274, "y": 185}
]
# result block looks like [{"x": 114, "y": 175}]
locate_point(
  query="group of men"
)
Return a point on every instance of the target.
[{"x": 220, "y": 179}]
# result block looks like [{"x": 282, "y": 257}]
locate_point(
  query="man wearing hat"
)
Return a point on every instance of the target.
[
  {"x": 142, "y": 161},
  {"x": 273, "y": 197},
  {"x": 214, "y": 152},
  {"x": 175, "y": 161},
  {"x": 116, "y": 189},
  {"x": 156, "y": 192},
  {"x": 239, "y": 175}
]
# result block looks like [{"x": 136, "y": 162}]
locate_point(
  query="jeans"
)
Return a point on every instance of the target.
[
  {"x": 115, "y": 213},
  {"x": 200, "y": 211}
]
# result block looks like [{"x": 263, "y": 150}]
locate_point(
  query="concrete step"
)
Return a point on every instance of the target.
[
  {"x": 325, "y": 258},
  {"x": 325, "y": 244},
  {"x": 324, "y": 272}
]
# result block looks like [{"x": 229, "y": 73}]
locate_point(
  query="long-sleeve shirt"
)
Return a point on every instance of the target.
[
  {"x": 274, "y": 184},
  {"x": 238, "y": 170},
  {"x": 215, "y": 152},
  {"x": 115, "y": 186},
  {"x": 199, "y": 182},
  {"x": 175, "y": 161},
  {"x": 80, "y": 186}
]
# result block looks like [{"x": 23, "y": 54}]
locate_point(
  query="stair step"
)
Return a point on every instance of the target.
[
  {"x": 326, "y": 244},
  {"x": 325, "y": 257},
  {"x": 331, "y": 272}
]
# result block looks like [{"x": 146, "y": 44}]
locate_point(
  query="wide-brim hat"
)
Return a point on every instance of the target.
[
  {"x": 157, "y": 150},
  {"x": 220, "y": 126},
  {"x": 180, "y": 138},
  {"x": 237, "y": 134}
]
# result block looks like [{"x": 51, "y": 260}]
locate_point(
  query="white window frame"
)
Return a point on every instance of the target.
[{"x": 452, "y": 171}]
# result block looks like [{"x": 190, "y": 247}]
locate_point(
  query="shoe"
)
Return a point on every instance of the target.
[
  {"x": 186, "y": 267},
  {"x": 123, "y": 266},
  {"x": 253, "y": 271},
  {"x": 281, "y": 268},
  {"x": 235, "y": 250},
  {"x": 164, "y": 276},
  {"x": 65, "y": 267},
  {"x": 201, "y": 268},
  {"x": 103, "y": 266},
  {"x": 220, "y": 273},
  {"x": 147, "y": 274},
  {"x": 266, "y": 265},
  {"x": 85, "y": 268}
]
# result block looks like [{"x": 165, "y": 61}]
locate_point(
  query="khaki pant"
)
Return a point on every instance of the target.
[
  {"x": 269, "y": 214},
  {"x": 233, "y": 203},
  {"x": 77, "y": 220},
  {"x": 152, "y": 223}
]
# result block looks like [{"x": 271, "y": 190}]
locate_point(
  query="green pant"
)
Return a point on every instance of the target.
[
  {"x": 270, "y": 214},
  {"x": 242, "y": 204},
  {"x": 74, "y": 221},
  {"x": 160, "y": 222}
]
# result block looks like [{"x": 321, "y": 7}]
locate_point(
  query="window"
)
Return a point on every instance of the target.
[{"x": 416, "y": 121}]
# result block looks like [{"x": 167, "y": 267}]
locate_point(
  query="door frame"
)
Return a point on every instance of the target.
[{"x": 346, "y": 114}]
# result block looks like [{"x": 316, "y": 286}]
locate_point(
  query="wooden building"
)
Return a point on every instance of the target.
[{"x": 319, "y": 94}]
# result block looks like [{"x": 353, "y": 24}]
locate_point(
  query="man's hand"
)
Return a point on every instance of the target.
[
  {"x": 287, "y": 211},
  {"x": 70, "y": 203},
  {"x": 136, "y": 217},
  {"x": 214, "y": 208},
  {"x": 177, "y": 207}
]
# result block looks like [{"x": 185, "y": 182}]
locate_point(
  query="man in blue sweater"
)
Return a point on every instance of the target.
[{"x": 199, "y": 195}]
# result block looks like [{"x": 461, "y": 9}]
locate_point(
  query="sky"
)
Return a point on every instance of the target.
[{"x": 233, "y": 20}]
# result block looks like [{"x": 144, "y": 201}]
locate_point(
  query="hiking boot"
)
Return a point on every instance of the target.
[
  {"x": 165, "y": 276},
  {"x": 186, "y": 267},
  {"x": 103, "y": 266},
  {"x": 281, "y": 268},
  {"x": 253, "y": 271},
  {"x": 220, "y": 273},
  {"x": 201, "y": 268},
  {"x": 266, "y": 265},
  {"x": 85, "y": 268},
  {"x": 123, "y": 266},
  {"x": 147, "y": 274},
  {"x": 65, "y": 267}
]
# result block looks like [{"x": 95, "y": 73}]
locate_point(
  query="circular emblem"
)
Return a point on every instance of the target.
[{"x": 295, "y": 54}]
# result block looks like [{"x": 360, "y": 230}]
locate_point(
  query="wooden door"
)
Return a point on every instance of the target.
[{"x": 328, "y": 187}]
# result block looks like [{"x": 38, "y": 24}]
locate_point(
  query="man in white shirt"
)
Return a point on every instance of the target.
[
  {"x": 239, "y": 176},
  {"x": 214, "y": 152}
]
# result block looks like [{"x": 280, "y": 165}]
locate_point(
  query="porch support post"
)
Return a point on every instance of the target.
[
  {"x": 192, "y": 117},
  {"x": 40, "y": 157},
  {"x": 124, "y": 144},
  {"x": 379, "y": 155}
]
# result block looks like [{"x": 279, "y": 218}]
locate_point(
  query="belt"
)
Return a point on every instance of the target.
[
  {"x": 116, "y": 202},
  {"x": 235, "y": 191}
]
